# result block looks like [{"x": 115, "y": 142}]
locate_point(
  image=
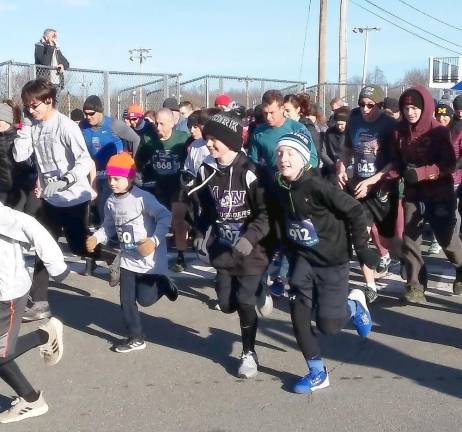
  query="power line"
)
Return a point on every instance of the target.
[
  {"x": 430, "y": 16},
  {"x": 412, "y": 25},
  {"x": 405, "y": 29},
  {"x": 304, "y": 42}
]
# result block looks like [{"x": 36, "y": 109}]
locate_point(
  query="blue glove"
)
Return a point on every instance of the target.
[{"x": 53, "y": 187}]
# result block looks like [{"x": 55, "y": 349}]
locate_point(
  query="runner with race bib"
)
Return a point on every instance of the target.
[{"x": 367, "y": 148}]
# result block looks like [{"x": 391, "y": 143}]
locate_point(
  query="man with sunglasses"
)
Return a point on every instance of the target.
[
  {"x": 63, "y": 165},
  {"x": 104, "y": 137},
  {"x": 367, "y": 149}
]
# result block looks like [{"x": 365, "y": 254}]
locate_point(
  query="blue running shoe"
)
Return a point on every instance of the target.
[
  {"x": 277, "y": 288},
  {"x": 315, "y": 380},
  {"x": 362, "y": 318}
]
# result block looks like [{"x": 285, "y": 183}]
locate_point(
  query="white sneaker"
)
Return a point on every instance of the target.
[
  {"x": 21, "y": 409},
  {"x": 52, "y": 351},
  {"x": 265, "y": 304},
  {"x": 249, "y": 365}
]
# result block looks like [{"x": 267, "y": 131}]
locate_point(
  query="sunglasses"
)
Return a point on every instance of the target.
[
  {"x": 89, "y": 113},
  {"x": 368, "y": 105}
]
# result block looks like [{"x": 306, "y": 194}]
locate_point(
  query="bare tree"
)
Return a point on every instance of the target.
[{"x": 414, "y": 77}]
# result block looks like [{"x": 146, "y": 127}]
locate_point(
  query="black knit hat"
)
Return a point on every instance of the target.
[
  {"x": 77, "y": 115},
  {"x": 443, "y": 110},
  {"x": 171, "y": 103},
  {"x": 391, "y": 104},
  {"x": 457, "y": 103},
  {"x": 227, "y": 129},
  {"x": 411, "y": 97},
  {"x": 93, "y": 103},
  {"x": 372, "y": 92}
]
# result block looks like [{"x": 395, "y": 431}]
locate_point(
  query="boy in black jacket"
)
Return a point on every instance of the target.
[
  {"x": 316, "y": 218},
  {"x": 233, "y": 225}
]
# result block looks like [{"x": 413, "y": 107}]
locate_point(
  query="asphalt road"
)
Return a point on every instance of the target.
[{"x": 407, "y": 376}]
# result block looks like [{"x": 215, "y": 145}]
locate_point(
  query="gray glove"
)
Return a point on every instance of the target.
[
  {"x": 53, "y": 187},
  {"x": 243, "y": 246}
]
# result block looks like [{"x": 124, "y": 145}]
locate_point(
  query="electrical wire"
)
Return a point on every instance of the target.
[
  {"x": 405, "y": 29},
  {"x": 430, "y": 16},
  {"x": 412, "y": 25},
  {"x": 304, "y": 42}
]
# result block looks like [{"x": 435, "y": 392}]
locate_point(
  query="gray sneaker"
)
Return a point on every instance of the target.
[
  {"x": 249, "y": 365},
  {"x": 37, "y": 311},
  {"x": 434, "y": 248},
  {"x": 20, "y": 409},
  {"x": 371, "y": 294}
]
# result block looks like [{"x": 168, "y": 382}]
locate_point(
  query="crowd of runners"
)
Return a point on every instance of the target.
[{"x": 244, "y": 187}]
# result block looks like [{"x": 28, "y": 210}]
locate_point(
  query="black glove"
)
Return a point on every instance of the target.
[
  {"x": 368, "y": 257},
  {"x": 410, "y": 175}
]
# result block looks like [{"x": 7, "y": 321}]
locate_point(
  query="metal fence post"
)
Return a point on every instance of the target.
[
  {"x": 178, "y": 87},
  {"x": 206, "y": 91},
  {"x": 32, "y": 72},
  {"x": 106, "y": 93},
  {"x": 221, "y": 86},
  {"x": 166, "y": 95},
  {"x": 9, "y": 91},
  {"x": 262, "y": 88},
  {"x": 247, "y": 100}
]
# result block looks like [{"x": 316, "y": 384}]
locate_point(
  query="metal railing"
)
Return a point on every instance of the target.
[
  {"x": 116, "y": 89},
  {"x": 202, "y": 91},
  {"x": 324, "y": 93}
]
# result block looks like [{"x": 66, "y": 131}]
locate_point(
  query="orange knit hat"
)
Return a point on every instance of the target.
[
  {"x": 121, "y": 165},
  {"x": 135, "y": 112}
]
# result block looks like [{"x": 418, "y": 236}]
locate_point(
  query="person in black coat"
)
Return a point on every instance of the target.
[
  {"x": 334, "y": 142},
  {"x": 48, "y": 53}
]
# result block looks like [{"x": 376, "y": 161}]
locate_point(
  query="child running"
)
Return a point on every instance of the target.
[
  {"x": 316, "y": 218},
  {"x": 18, "y": 230},
  {"x": 233, "y": 227},
  {"x": 140, "y": 223}
]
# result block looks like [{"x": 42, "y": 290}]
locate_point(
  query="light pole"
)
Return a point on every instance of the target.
[
  {"x": 366, "y": 31},
  {"x": 140, "y": 54}
]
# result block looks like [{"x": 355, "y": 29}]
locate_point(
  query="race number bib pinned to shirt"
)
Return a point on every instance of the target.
[
  {"x": 302, "y": 233},
  {"x": 51, "y": 176},
  {"x": 165, "y": 163},
  {"x": 126, "y": 237},
  {"x": 229, "y": 232},
  {"x": 365, "y": 154}
]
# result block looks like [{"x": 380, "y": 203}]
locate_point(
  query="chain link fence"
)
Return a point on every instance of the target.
[
  {"x": 117, "y": 90},
  {"x": 324, "y": 93},
  {"x": 247, "y": 91}
]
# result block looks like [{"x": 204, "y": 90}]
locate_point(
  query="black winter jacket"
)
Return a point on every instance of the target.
[
  {"x": 317, "y": 219},
  {"x": 233, "y": 204},
  {"x": 6, "y": 159},
  {"x": 43, "y": 56}
]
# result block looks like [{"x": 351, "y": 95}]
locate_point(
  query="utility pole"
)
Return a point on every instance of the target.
[
  {"x": 365, "y": 31},
  {"x": 342, "y": 48},
  {"x": 322, "y": 51},
  {"x": 140, "y": 54},
  {"x": 322, "y": 42}
]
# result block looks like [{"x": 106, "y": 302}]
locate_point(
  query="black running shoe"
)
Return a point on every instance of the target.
[{"x": 131, "y": 344}]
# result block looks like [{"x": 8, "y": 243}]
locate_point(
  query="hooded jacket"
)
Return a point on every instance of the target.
[
  {"x": 426, "y": 147},
  {"x": 233, "y": 203},
  {"x": 317, "y": 218},
  {"x": 16, "y": 231}
]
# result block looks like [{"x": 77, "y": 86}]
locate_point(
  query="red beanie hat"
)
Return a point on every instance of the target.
[
  {"x": 121, "y": 165},
  {"x": 222, "y": 100}
]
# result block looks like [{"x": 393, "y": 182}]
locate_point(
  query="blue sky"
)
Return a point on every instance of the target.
[{"x": 262, "y": 38}]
